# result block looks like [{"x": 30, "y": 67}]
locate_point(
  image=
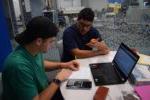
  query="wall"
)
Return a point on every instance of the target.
[
  {"x": 113, "y": 1},
  {"x": 141, "y": 3},
  {"x": 84, "y": 3},
  {"x": 97, "y": 4},
  {"x": 94, "y": 4},
  {"x": 16, "y": 8},
  {"x": 68, "y": 3},
  {"x": 36, "y": 7},
  {"x": 135, "y": 13},
  {"x": 7, "y": 14}
]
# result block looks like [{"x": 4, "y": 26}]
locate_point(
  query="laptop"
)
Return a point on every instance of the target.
[{"x": 117, "y": 71}]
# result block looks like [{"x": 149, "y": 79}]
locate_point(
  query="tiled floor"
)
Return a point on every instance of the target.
[{"x": 134, "y": 35}]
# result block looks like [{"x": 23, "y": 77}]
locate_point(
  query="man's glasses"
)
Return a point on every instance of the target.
[{"x": 82, "y": 24}]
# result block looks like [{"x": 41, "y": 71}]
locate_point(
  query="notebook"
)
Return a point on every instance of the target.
[
  {"x": 143, "y": 92},
  {"x": 117, "y": 71},
  {"x": 144, "y": 59}
]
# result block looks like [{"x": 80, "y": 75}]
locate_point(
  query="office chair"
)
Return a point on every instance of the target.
[{"x": 59, "y": 45}]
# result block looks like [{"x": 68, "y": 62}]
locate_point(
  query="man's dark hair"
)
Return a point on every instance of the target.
[
  {"x": 86, "y": 14},
  {"x": 37, "y": 27}
]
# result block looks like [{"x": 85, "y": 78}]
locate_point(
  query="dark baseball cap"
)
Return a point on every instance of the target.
[{"x": 39, "y": 26}]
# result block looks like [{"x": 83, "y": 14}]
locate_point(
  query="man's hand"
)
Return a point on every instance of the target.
[
  {"x": 64, "y": 74},
  {"x": 73, "y": 65},
  {"x": 92, "y": 43},
  {"x": 101, "y": 46},
  {"x": 135, "y": 50}
]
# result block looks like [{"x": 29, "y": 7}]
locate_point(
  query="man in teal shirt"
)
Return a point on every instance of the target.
[{"x": 24, "y": 75}]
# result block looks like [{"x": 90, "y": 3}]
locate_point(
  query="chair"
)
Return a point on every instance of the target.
[
  {"x": 59, "y": 45},
  {"x": 52, "y": 54},
  {"x": 67, "y": 21}
]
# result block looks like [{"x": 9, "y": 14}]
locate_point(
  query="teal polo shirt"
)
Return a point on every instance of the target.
[{"x": 23, "y": 76}]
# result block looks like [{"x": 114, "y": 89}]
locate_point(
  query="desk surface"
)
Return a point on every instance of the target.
[{"x": 115, "y": 91}]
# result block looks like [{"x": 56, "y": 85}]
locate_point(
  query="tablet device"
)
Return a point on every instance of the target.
[{"x": 79, "y": 84}]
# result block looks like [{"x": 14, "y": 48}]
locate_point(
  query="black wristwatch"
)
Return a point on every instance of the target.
[{"x": 57, "y": 81}]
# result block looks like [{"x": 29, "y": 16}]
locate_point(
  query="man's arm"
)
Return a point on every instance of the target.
[
  {"x": 101, "y": 46},
  {"x": 85, "y": 53},
  {"x": 102, "y": 49},
  {"x": 73, "y": 65},
  {"x": 49, "y": 92},
  {"x": 51, "y": 65}
]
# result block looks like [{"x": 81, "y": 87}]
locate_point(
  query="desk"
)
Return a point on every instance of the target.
[{"x": 115, "y": 91}]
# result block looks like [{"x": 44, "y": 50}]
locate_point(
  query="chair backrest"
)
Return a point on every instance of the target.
[
  {"x": 55, "y": 52},
  {"x": 67, "y": 21},
  {"x": 59, "y": 45}
]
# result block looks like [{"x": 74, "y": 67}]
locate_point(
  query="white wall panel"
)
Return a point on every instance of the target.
[
  {"x": 68, "y": 3},
  {"x": 97, "y": 4}
]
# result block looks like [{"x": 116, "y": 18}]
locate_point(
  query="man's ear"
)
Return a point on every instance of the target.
[{"x": 38, "y": 41}]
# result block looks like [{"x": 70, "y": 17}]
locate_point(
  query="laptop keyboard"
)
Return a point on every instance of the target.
[{"x": 100, "y": 72}]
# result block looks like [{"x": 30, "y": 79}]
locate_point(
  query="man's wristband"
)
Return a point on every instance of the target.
[{"x": 57, "y": 81}]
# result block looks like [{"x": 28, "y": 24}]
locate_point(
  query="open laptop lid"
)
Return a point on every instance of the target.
[{"x": 125, "y": 60}]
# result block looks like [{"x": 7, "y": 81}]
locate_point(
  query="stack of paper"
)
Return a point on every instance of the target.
[
  {"x": 144, "y": 59},
  {"x": 141, "y": 75},
  {"x": 143, "y": 92}
]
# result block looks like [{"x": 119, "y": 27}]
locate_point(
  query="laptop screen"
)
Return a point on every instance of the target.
[{"x": 125, "y": 60}]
